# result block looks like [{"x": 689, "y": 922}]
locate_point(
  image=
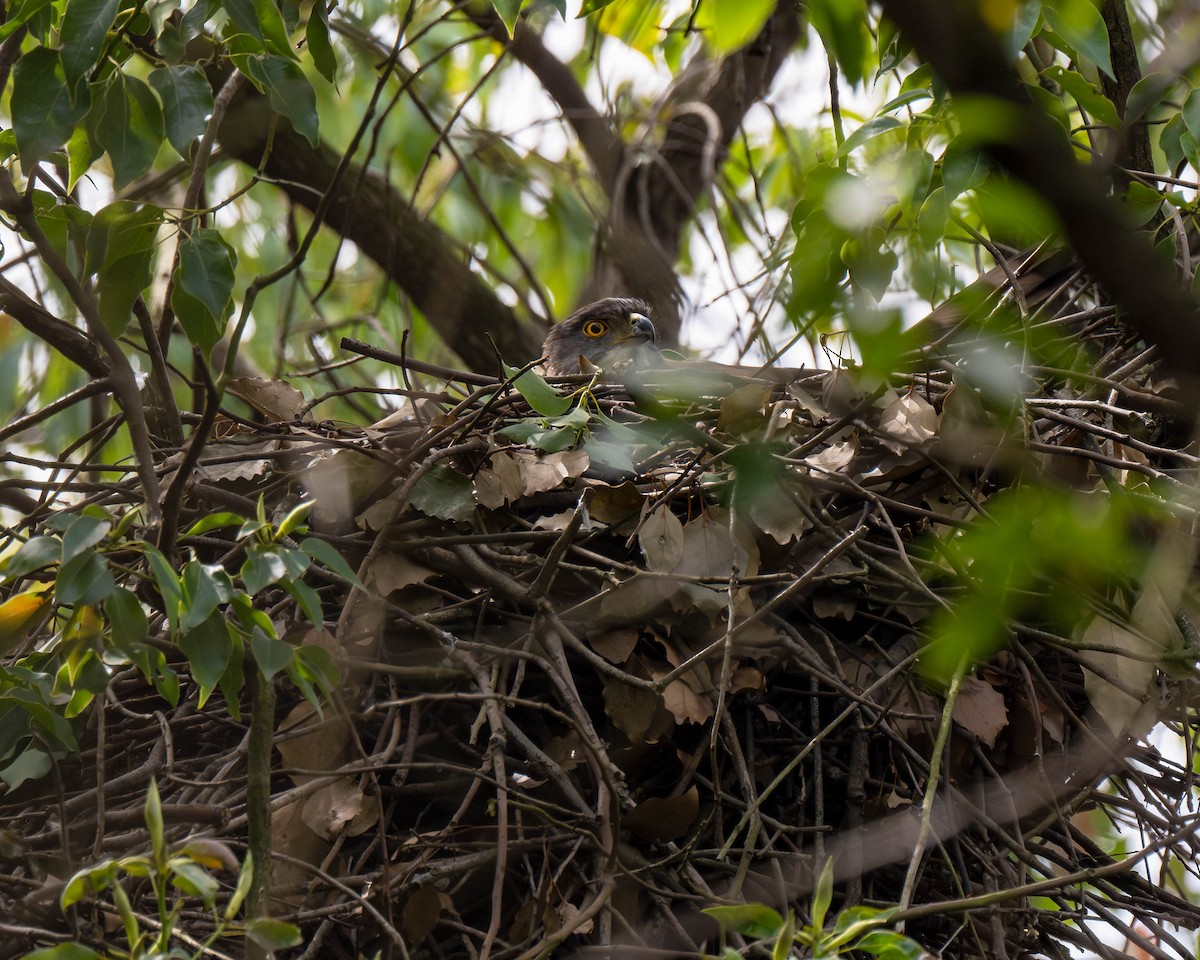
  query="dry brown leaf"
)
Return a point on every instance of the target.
[
  {"x": 560, "y": 521},
  {"x": 489, "y": 491},
  {"x": 630, "y": 708},
  {"x": 661, "y": 540},
  {"x": 615, "y": 646},
  {"x": 421, "y": 913},
  {"x": 746, "y": 677},
  {"x": 663, "y": 819},
  {"x": 274, "y": 399},
  {"x": 980, "y": 708},
  {"x": 333, "y": 806},
  {"x": 776, "y": 510},
  {"x": 909, "y": 421},
  {"x": 324, "y": 744},
  {"x": 394, "y": 571},
  {"x": 685, "y": 704},
  {"x": 508, "y": 470},
  {"x": 744, "y": 403},
  {"x": 710, "y": 550},
  {"x": 613, "y": 505},
  {"x": 290, "y": 835},
  {"x": 836, "y": 456},
  {"x": 567, "y": 751}
]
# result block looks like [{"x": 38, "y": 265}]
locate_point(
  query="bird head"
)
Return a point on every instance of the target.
[{"x": 608, "y": 333}]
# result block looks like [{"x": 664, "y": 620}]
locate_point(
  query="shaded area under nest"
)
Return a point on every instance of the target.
[{"x": 618, "y": 660}]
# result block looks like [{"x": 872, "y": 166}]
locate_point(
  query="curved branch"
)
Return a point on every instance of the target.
[{"x": 365, "y": 208}]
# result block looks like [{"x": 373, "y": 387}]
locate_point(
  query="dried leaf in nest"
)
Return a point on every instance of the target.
[
  {"x": 1122, "y": 682},
  {"x": 661, "y": 539},
  {"x": 980, "y": 709},
  {"x": 662, "y": 819},
  {"x": 908, "y": 421},
  {"x": 279, "y": 402}
]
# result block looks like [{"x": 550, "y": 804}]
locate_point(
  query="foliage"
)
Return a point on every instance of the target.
[{"x": 186, "y": 869}]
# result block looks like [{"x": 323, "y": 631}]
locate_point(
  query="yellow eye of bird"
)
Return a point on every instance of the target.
[{"x": 595, "y": 328}]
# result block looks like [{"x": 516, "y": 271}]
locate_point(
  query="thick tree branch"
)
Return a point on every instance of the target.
[
  {"x": 70, "y": 341},
  {"x": 1135, "y": 151},
  {"x": 366, "y": 209},
  {"x": 657, "y": 199},
  {"x": 969, "y": 58},
  {"x": 604, "y": 149}
]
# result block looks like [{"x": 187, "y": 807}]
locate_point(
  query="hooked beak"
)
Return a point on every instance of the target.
[{"x": 641, "y": 327}]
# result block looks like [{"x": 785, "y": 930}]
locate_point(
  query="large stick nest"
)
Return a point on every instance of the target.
[{"x": 629, "y": 657}]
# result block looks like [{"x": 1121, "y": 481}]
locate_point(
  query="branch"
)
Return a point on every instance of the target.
[
  {"x": 603, "y": 147},
  {"x": 365, "y": 208},
  {"x": 70, "y": 341},
  {"x": 656, "y": 200}
]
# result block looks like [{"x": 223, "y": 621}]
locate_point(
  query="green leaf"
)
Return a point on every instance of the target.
[
  {"x": 270, "y": 653},
  {"x": 64, "y": 951},
  {"x": 327, "y": 554},
  {"x": 889, "y": 945},
  {"x": 295, "y": 519},
  {"x": 187, "y": 101},
  {"x": 271, "y": 934},
  {"x": 872, "y": 128},
  {"x": 44, "y": 114},
  {"x": 203, "y": 294},
  {"x": 1080, "y": 24},
  {"x": 152, "y": 811},
  {"x": 289, "y": 91},
  {"x": 263, "y": 567},
  {"x": 309, "y": 602},
  {"x": 592, "y": 6},
  {"x": 214, "y": 521},
  {"x": 443, "y": 493},
  {"x": 509, "y": 10},
  {"x": 823, "y": 895},
  {"x": 80, "y": 154},
  {"x": 842, "y": 26},
  {"x": 30, "y": 764},
  {"x": 316, "y": 36},
  {"x": 128, "y": 619},
  {"x": 83, "y": 532},
  {"x": 127, "y": 122},
  {"x": 204, "y": 588},
  {"x": 84, "y": 580},
  {"x": 194, "y": 880},
  {"x": 261, "y": 20},
  {"x": 168, "y": 583},
  {"x": 1086, "y": 95},
  {"x": 245, "y": 881},
  {"x": 1147, "y": 94},
  {"x": 754, "y": 920},
  {"x": 538, "y": 393},
  {"x": 786, "y": 939},
  {"x": 92, "y": 879},
  {"x": 85, "y": 24},
  {"x": 20, "y": 13},
  {"x": 728, "y": 25},
  {"x": 34, "y": 554},
  {"x": 120, "y": 250}
]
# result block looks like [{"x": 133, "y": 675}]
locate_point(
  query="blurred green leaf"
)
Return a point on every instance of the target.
[
  {"x": 728, "y": 25},
  {"x": 1080, "y": 24}
]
